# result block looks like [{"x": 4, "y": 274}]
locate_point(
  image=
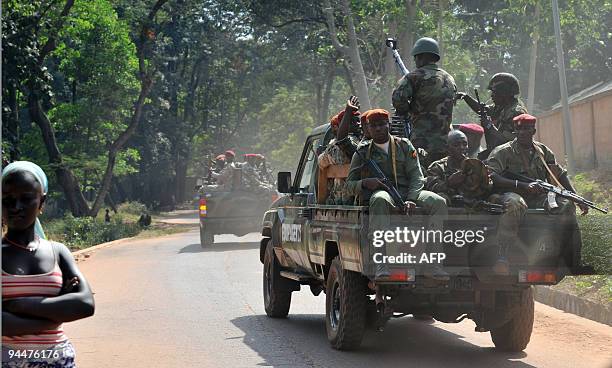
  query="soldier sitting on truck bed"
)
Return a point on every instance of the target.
[
  {"x": 340, "y": 150},
  {"x": 533, "y": 159},
  {"x": 251, "y": 179},
  {"x": 224, "y": 176},
  {"x": 398, "y": 160},
  {"x": 445, "y": 176},
  {"x": 456, "y": 177}
]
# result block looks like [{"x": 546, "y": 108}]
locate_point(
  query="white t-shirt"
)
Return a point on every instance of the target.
[{"x": 383, "y": 146}]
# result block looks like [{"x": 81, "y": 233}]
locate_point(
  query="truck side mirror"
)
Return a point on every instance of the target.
[{"x": 284, "y": 182}]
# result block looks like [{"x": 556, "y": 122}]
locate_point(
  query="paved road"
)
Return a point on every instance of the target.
[{"x": 166, "y": 302}]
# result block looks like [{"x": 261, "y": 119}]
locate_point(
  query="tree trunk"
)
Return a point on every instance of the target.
[
  {"x": 146, "y": 83},
  {"x": 406, "y": 40},
  {"x": 351, "y": 53},
  {"x": 65, "y": 177},
  {"x": 145, "y": 88},
  {"x": 11, "y": 118}
]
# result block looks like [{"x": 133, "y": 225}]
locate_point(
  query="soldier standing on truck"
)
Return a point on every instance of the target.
[
  {"x": 398, "y": 160},
  {"x": 505, "y": 91},
  {"x": 533, "y": 159},
  {"x": 427, "y": 94}
]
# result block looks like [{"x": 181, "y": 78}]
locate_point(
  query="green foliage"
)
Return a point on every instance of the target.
[
  {"x": 83, "y": 232},
  {"x": 595, "y": 227},
  {"x": 279, "y": 118}
]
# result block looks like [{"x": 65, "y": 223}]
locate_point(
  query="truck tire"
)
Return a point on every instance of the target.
[
  {"x": 207, "y": 238},
  {"x": 277, "y": 296},
  {"x": 515, "y": 334},
  {"x": 345, "y": 307}
]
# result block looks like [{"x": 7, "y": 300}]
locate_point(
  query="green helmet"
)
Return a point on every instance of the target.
[
  {"x": 505, "y": 84},
  {"x": 426, "y": 45}
]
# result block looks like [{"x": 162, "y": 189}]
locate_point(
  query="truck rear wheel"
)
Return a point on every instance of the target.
[
  {"x": 515, "y": 334},
  {"x": 345, "y": 307},
  {"x": 277, "y": 296},
  {"x": 207, "y": 238}
]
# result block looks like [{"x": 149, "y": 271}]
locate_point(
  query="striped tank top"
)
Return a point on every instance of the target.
[{"x": 47, "y": 284}]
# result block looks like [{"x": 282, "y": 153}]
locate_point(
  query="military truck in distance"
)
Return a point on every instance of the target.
[
  {"x": 325, "y": 247},
  {"x": 230, "y": 209}
]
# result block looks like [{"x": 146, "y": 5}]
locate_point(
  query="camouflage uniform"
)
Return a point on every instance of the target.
[
  {"x": 224, "y": 177},
  {"x": 437, "y": 176},
  {"x": 511, "y": 156},
  {"x": 428, "y": 95},
  {"x": 501, "y": 117},
  {"x": 339, "y": 153},
  {"x": 251, "y": 179}
]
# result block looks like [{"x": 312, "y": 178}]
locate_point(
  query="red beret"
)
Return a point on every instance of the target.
[
  {"x": 471, "y": 128},
  {"x": 378, "y": 114},
  {"x": 364, "y": 117},
  {"x": 220, "y": 157},
  {"x": 524, "y": 119},
  {"x": 250, "y": 155},
  {"x": 335, "y": 120},
  {"x": 230, "y": 153}
]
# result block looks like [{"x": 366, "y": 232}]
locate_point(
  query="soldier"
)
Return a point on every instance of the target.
[
  {"x": 265, "y": 174},
  {"x": 224, "y": 168},
  {"x": 250, "y": 175},
  {"x": 428, "y": 95},
  {"x": 398, "y": 160},
  {"x": 527, "y": 157},
  {"x": 445, "y": 176},
  {"x": 340, "y": 151},
  {"x": 230, "y": 156},
  {"x": 474, "y": 133},
  {"x": 505, "y": 90}
]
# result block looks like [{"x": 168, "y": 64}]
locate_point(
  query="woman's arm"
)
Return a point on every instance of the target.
[
  {"x": 13, "y": 325},
  {"x": 77, "y": 304}
]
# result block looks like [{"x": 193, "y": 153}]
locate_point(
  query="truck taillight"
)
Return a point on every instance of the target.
[
  {"x": 537, "y": 276},
  {"x": 202, "y": 207},
  {"x": 400, "y": 275}
]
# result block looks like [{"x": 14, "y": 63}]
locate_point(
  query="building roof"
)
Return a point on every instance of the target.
[{"x": 596, "y": 89}]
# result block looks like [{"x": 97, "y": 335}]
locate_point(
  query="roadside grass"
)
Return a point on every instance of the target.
[
  {"x": 79, "y": 233},
  {"x": 596, "y": 229}
]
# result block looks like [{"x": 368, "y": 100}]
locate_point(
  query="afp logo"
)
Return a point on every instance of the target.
[{"x": 292, "y": 233}]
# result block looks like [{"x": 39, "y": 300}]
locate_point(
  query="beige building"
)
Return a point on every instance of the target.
[{"x": 591, "y": 118}]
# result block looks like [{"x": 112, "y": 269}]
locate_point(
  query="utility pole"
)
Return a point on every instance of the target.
[
  {"x": 533, "y": 60},
  {"x": 567, "y": 125}
]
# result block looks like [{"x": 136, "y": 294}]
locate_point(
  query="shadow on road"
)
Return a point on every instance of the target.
[
  {"x": 219, "y": 247},
  {"x": 300, "y": 340}
]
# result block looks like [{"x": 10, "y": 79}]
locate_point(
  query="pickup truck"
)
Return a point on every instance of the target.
[
  {"x": 325, "y": 247},
  {"x": 230, "y": 209}
]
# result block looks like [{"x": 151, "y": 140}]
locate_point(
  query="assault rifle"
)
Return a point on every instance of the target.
[
  {"x": 561, "y": 192},
  {"x": 392, "y": 43},
  {"x": 380, "y": 175},
  {"x": 476, "y": 204}
]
